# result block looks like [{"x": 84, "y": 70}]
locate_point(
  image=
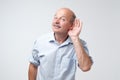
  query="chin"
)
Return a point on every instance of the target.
[{"x": 56, "y": 30}]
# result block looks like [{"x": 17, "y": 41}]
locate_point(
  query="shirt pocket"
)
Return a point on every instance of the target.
[{"x": 68, "y": 64}]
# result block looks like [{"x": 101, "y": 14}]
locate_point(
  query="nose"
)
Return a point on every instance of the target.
[{"x": 57, "y": 21}]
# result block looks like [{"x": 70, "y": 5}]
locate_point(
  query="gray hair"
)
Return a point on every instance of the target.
[{"x": 72, "y": 18}]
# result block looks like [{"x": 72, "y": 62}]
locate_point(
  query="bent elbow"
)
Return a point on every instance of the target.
[{"x": 85, "y": 69}]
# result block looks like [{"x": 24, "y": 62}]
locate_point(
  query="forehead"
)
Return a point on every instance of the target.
[{"x": 64, "y": 13}]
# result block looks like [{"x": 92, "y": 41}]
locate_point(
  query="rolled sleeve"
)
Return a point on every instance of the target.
[
  {"x": 34, "y": 58},
  {"x": 86, "y": 49},
  {"x": 84, "y": 44}
]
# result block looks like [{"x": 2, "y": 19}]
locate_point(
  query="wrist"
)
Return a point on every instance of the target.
[{"x": 75, "y": 38}]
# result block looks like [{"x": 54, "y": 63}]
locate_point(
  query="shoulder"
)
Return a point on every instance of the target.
[
  {"x": 83, "y": 42},
  {"x": 44, "y": 38}
]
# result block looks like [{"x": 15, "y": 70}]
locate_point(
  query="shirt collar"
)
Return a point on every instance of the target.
[{"x": 52, "y": 39}]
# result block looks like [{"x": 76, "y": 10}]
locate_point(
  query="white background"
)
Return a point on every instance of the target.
[{"x": 22, "y": 21}]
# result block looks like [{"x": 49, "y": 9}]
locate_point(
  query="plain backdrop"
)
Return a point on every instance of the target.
[{"x": 22, "y": 21}]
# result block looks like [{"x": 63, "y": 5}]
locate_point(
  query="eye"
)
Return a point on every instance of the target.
[
  {"x": 63, "y": 19},
  {"x": 55, "y": 17}
]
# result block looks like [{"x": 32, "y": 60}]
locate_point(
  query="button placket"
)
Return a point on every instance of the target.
[{"x": 57, "y": 63}]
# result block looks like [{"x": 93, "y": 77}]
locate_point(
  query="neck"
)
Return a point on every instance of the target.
[{"x": 60, "y": 38}]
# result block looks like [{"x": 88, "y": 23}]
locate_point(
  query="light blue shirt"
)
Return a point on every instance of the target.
[{"x": 55, "y": 61}]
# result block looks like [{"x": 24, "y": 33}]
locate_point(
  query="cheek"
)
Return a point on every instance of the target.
[
  {"x": 64, "y": 24},
  {"x": 52, "y": 23},
  {"x": 68, "y": 26}
]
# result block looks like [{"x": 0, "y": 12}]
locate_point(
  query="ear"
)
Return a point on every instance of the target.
[{"x": 71, "y": 27}]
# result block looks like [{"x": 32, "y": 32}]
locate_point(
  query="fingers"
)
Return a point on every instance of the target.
[
  {"x": 78, "y": 23},
  {"x": 81, "y": 24}
]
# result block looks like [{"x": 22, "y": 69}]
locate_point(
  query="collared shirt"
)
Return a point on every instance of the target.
[{"x": 55, "y": 61}]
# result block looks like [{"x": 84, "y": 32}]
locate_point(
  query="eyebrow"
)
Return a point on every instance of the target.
[{"x": 61, "y": 16}]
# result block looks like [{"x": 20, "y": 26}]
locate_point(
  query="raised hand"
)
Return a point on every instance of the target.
[{"x": 76, "y": 29}]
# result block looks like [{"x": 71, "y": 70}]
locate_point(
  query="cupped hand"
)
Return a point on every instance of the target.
[{"x": 76, "y": 28}]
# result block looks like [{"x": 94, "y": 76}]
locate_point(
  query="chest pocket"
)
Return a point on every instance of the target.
[
  {"x": 68, "y": 65},
  {"x": 46, "y": 60}
]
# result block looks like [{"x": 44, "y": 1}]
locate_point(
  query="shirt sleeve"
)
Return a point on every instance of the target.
[
  {"x": 86, "y": 48},
  {"x": 84, "y": 44},
  {"x": 34, "y": 58}
]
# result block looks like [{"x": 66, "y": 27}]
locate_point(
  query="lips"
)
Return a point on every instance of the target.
[{"x": 57, "y": 26}]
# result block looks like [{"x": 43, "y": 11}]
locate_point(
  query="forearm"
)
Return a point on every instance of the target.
[
  {"x": 84, "y": 60},
  {"x": 32, "y": 72}
]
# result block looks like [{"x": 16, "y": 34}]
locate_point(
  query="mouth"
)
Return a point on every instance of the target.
[{"x": 57, "y": 26}]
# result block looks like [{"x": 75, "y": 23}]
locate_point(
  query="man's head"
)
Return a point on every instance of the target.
[{"x": 63, "y": 21}]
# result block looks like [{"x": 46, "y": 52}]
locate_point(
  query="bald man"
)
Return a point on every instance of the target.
[{"x": 56, "y": 55}]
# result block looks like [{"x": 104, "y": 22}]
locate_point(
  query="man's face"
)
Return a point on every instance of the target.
[{"x": 61, "y": 21}]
